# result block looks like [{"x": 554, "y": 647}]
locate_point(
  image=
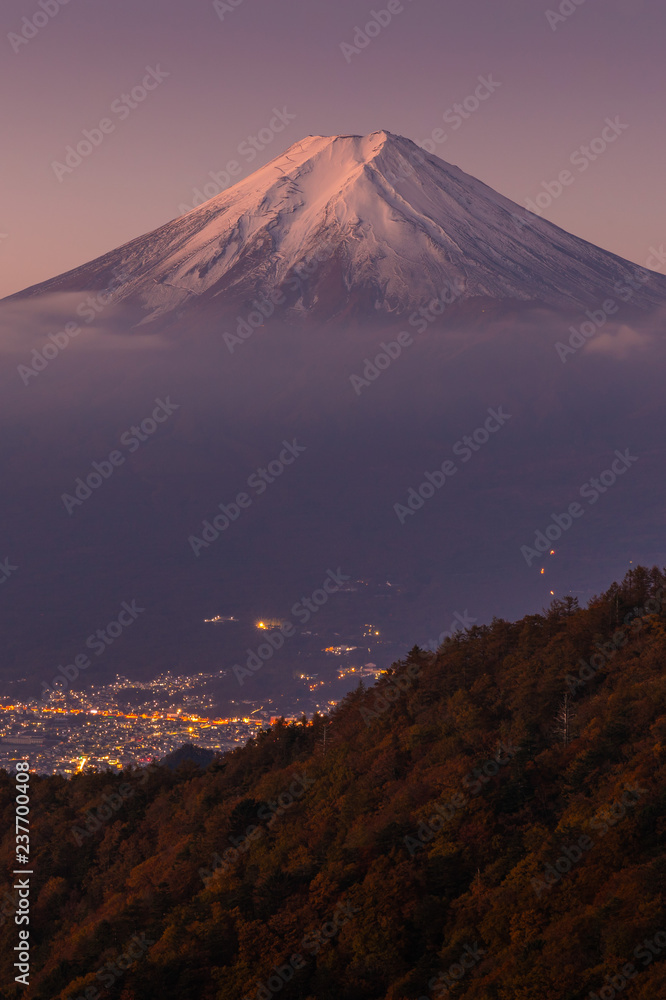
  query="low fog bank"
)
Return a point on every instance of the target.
[{"x": 426, "y": 455}]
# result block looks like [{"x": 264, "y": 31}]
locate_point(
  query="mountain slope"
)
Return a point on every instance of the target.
[
  {"x": 379, "y": 224},
  {"x": 428, "y": 825}
]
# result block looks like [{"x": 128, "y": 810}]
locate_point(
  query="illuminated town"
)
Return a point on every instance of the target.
[
  {"x": 95, "y": 728},
  {"x": 63, "y": 739},
  {"x": 132, "y": 722}
]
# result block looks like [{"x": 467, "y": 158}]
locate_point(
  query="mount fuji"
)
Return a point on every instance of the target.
[
  {"x": 433, "y": 452},
  {"x": 357, "y": 224}
]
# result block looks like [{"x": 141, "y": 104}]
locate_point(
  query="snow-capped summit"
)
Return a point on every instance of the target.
[{"x": 347, "y": 222}]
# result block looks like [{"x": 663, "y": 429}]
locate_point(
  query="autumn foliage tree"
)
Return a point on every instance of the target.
[{"x": 507, "y": 804}]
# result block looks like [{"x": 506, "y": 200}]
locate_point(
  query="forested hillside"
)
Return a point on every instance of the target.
[{"x": 485, "y": 822}]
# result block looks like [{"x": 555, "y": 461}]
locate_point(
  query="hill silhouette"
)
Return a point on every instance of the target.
[{"x": 189, "y": 754}]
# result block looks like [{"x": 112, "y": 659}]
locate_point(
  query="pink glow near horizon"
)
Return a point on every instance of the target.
[{"x": 564, "y": 110}]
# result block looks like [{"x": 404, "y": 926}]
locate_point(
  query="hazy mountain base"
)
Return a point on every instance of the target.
[
  {"x": 491, "y": 817},
  {"x": 336, "y": 505}
]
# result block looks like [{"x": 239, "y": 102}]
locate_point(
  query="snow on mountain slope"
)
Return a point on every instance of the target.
[{"x": 389, "y": 224}]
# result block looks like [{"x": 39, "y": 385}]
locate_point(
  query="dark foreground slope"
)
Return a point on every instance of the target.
[{"x": 459, "y": 821}]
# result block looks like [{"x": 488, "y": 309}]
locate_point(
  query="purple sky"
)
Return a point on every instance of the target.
[{"x": 558, "y": 85}]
